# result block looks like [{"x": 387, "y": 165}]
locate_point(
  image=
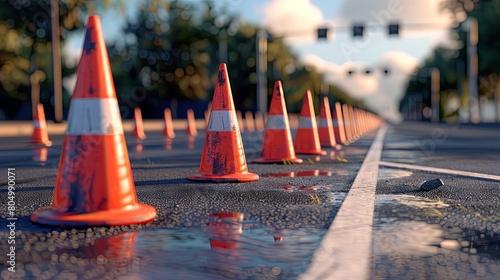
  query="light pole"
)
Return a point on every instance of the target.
[
  {"x": 472, "y": 69},
  {"x": 261, "y": 67},
  {"x": 435, "y": 97},
  {"x": 56, "y": 61}
]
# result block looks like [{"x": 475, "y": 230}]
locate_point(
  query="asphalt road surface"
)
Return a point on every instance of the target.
[{"x": 356, "y": 213}]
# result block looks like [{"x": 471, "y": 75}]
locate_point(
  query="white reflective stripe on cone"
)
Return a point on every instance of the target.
[
  {"x": 306, "y": 122},
  {"x": 37, "y": 124},
  {"x": 323, "y": 123},
  {"x": 94, "y": 116},
  {"x": 277, "y": 122},
  {"x": 223, "y": 121}
]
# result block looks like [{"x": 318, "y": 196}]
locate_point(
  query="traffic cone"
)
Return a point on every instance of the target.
[
  {"x": 259, "y": 121},
  {"x": 249, "y": 122},
  {"x": 277, "y": 146},
  {"x": 191, "y": 123},
  {"x": 168, "y": 131},
  {"x": 94, "y": 184},
  {"x": 307, "y": 138},
  {"x": 40, "y": 135},
  {"x": 138, "y": 131},
  {"x": 347, "y": 124},
  {"x": 338, "y": 125},
  {"x": 223, "y": 158},
  {"x": 325, "y": 130}
]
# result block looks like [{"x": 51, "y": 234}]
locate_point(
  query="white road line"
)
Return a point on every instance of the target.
[
  {"x": 345, "y": 251},
  {"x": 440, "y": 170}
]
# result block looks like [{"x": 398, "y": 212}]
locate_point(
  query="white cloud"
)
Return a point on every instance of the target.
[
  {"x": 380, "y": 93},
  {"x": 290, "y": 16}
]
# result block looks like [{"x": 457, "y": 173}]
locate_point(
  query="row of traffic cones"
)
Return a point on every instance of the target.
[{"x": 94, "y": 184}]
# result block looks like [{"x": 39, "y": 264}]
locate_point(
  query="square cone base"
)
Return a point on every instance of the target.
[
  {"x": 230, "y": 178},
  {"x": 312, "y": 152},
  {"x": 138, "y": 214},
  {"x": 278, "y": 160}
]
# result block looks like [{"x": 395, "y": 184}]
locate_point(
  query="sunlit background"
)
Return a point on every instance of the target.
[{"x": 402, "y": 59}]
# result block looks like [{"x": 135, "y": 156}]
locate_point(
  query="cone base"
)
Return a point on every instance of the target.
[
  {"x": 278, "y": 160},
  {"x": 47, "y": 143},
  {"x": 169, "y": 135},
  {"x": 139, "y": 214},
  {"x": 311, "y": 152},
  {"x": 241, "y": 177}
]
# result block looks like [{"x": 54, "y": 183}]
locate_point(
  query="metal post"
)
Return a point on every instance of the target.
[
  {"x": 435, "y": 98},
  {"x": 261, "y": 67},
  {"x": 56, "y": 62},
  {"x": 472, "y": 72}
]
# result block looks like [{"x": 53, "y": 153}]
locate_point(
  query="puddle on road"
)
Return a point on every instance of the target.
[
  {"x": 229, "y": 247},
  {"x": 304, "y": 173},
  {"x": 389, "y": 173},
  {"x": 410, "y": 238}
]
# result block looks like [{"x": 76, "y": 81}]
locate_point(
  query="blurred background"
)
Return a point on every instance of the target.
[{"x": 428, "y": 60}]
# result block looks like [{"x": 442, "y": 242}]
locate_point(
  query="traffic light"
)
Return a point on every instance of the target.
[
  {"x": 323, "y": 33},
  {"x": 358, "y": 30},
  {"x": 393, "y": 29}
]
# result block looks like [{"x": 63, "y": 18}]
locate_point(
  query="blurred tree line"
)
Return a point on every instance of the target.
[
  {"x": 167, "y": 56},
  {"x": 452, "y": 60}
]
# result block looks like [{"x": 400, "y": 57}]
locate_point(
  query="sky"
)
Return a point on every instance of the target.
[{"x": 341, "y": 53}]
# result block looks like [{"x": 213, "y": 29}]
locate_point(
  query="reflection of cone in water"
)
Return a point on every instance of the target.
[
  {"x": 277, "y": 235},
  {"x": 223, "y": 158},
  {"x": 138, "y": 131},
  {"x": 325, "y": 129},
  {"x": 168, "y": 130},
  {"x": 40, "y": 155},
  {"x": 277, "y": 146},
  {"x": 307, "y": 138},
  {"x": 249, "y": 122},
  {"x": 226, "y": 230},
  {"x": 114, "y": 252},
  {"x": 338, "y": 124},
  {"x": 40, "y": 135},
  {"x": 259, "y": 121},
  {"x": 191, "y": 123},
  {"x": 138, "y": 150},
  {"x": 168, "y": 144},
  {"x": 94, "y": 184},
  {"x": 190, "y": 142}
]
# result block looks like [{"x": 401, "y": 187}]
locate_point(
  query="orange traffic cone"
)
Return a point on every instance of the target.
[
  {"x": 347, "y": 124},
  {"x": 40, "y": 135},
  {"x": 169, "y": 126},
  {"x": 249, "y": 122},
  {"x": 94, "y": 184},
  {"x": 223, "y": 158},
  {"x": 191, "y": 123},
  {"x": 338, "y": 125},
  {"x": 259, "y": 121},
  {"x": 307, "y": 138},
  {"x": 325, "y": 129},
  {"x": 277, "y": 146},
  {"x": 138, "y": 131}
]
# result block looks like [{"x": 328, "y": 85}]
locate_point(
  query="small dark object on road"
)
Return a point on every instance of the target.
[{"x": 430, "y": 185}]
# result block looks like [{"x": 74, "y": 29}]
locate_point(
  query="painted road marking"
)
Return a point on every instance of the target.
[
  {"x": 440, "y": 170},
  {"x": 345, "y": 251}
]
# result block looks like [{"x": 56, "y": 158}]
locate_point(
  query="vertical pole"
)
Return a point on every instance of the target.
[
  {"x": 472, "y": 58},
  {"x": 56, "y": 62},
  {"x": 435, "y": 98},
  {"x": 261, "y": 50}
]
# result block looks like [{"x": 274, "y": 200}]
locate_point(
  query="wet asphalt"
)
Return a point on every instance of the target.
[{"x": 452, "y": 232}]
